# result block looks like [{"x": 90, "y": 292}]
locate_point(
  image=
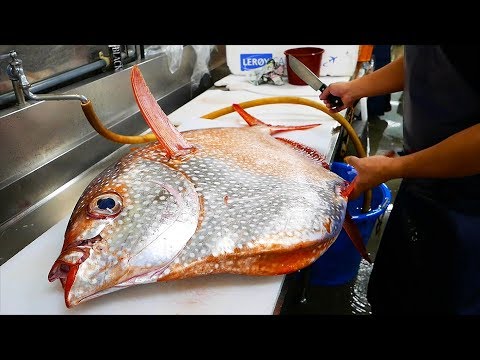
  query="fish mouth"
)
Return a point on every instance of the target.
[{"x": 66, "y": 266}]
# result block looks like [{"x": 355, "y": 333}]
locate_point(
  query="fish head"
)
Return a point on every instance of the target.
[{"x": 128, "y": 225}]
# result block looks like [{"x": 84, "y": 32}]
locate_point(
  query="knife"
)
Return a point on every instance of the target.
[{"x": 307, "y": 75}]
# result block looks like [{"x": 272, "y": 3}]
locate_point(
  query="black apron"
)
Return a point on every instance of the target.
[{"x": 428, "y": 260}]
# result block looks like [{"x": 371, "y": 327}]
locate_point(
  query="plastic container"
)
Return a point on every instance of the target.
[
  {"x": 340, "y": 263},
  {"x": 337, "y": 60},
  {"x": 310, "y": 56}
]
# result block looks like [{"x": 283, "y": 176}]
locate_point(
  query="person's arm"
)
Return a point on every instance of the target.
[
  {"x": 456, "y": 156},
  {"x": 386, "y": 80}
]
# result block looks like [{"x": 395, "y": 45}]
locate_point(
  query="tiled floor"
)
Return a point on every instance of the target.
[{"x": 383, "y": 133}]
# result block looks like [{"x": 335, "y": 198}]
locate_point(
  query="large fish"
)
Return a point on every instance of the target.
[{"x": 219, "y": 200}]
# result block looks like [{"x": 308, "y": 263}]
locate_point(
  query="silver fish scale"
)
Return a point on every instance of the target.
[
  {"x": 159, "y": 198},
  {"x": 243, "y": 208},
  {"x": 160, "y": 214}
]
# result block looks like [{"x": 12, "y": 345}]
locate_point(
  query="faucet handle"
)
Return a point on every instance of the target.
[{"x": 15, "y": 69}]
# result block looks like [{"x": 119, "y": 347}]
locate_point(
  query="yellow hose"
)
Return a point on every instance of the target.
[
  {"x": 124, "y": 139},
  {"x": 110, "y": 135}
]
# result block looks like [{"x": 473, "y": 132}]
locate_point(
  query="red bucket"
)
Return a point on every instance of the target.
[{"x": 310, "y": 56}]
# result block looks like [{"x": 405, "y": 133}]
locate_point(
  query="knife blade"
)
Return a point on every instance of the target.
[{"x": 307, "y": 75}]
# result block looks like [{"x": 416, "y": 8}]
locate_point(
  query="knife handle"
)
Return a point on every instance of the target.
[
  {"x": 332, "y": 99},
  {"x": 335, "y": 100}
]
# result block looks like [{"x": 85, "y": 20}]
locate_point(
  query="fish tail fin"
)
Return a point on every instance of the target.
[
  {"x": 274, "y": 129},
  {"x": 354, "y": 234}
]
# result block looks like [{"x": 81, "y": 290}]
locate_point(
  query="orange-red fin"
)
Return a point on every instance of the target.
[
  {"x": 250, "y": 119},
  {"x": 308, "y": 151},
  {"x": 170, "y": 139},
  {"x": 274, "y": 129},
  {"x": 354, "y": 234},
  {"x": 347, "y": 190}
]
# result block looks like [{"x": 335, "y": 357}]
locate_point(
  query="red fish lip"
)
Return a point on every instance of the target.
[
  {"x": 65, "y": 270},
  {"x": 62, "y": 268},
  {"x": 66, "y": 273}
]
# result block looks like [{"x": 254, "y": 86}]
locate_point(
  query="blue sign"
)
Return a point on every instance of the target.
[{"x": 253, "y": 61}]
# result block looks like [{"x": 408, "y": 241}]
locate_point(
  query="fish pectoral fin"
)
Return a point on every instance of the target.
[
  {"x": 274, "y": 129},
  {"x": 354, "y": 234},
  {"x": 170, "y": 139}
]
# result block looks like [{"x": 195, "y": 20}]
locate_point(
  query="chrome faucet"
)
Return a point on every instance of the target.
[
  {"x": 16, "y": 75},
  {"x": 21, "y": 86}
]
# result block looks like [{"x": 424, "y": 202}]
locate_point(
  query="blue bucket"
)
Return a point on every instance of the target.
[{"x": 340, "y": 263}]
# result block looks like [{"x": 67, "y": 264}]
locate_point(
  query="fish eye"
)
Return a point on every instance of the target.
[{"x": 105, "y": 205}]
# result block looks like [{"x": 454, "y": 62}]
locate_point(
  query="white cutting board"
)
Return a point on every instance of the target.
[{"x": 24, "y": 288}]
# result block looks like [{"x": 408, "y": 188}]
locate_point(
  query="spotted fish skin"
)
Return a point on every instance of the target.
[
  {"x": 243, "y": 202},
  {"x": 261, "y": 217}
]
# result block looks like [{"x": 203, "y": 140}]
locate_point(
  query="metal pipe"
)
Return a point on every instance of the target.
[
  {"x": 17, "y": 90},
  {"x": 32, "y": 96},
  {"x": 56, "y": 80},
  {"x": 68, "y": 75},
  {"x": 140, "y": 52}
]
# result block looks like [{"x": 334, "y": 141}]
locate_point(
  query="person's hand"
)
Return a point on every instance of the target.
[
  {"x": 342, "y": 90},
  {"x": 371, "y": 172}
]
